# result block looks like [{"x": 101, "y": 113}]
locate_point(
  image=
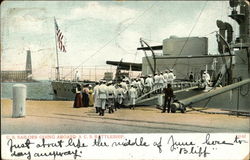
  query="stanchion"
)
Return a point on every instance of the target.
[{"x": 19, "y": 98}]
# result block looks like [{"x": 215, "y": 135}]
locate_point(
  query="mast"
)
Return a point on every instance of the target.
[{"x": 57, "y": 59}]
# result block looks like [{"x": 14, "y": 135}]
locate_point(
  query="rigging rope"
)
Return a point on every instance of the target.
[
  {"x": 95, "y": 53},
  {"x": 150, "y": 40}
]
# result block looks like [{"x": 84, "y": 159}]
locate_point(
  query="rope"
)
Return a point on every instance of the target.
[
  {"x": 126, "y": 52},
  {"x": 226, "y": 113},
  {"x": 190, "y": 33},
  {"x": 209, "y": 33}
]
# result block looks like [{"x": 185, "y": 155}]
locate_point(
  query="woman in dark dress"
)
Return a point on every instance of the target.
[
  {"x": 85, "y": 96},
  {"x": 78, "y": 97}
]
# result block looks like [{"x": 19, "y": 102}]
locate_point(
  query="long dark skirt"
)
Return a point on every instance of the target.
[
  {"x": 78, "y": 101},
  {"x": 85, "y": 100}
]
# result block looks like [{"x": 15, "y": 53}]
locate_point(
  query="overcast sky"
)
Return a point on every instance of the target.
[{"x": 97, "y": 31}]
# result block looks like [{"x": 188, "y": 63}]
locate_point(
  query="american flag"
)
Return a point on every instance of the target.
[{"x": 59, "y": 35}]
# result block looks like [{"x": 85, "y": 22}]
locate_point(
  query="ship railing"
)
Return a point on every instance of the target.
[
  {"x": 177, "y": 86},
  {"x": 89, "y": 73}
]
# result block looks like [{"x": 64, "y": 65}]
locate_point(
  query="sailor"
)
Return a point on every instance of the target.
[
  {"x": 124, "y": 85},
  {"x": 128, "y": 83},
  {"x": 202, "y": 84},
  {"x": 77, "y": 76},
  {"x": 191, "y": 77},
  {"x": 111, "y": 96},
  {"x": 149, "y": 83},
  {"x": 142, "y": 80},
  {"x": 132, "y": 95},
  {"x": 115, "y": 96},
  {"x": 103, "y": 95},
  {"x": 125, "y": 79},
  {"x": 206, "y": 78},
  {"x": 156, "y": 81},
  {"x": 165, "y": 75},
  {"x": 138, "y": 86},
  {"x": 152, "y": 81},
  {"x": 161, "y": 82},
  {"x": 97, "y": 103},
  {"x": 171, "y": 77},
  {"x": 169, "y": 94},
  {"x": 119, "y": 93},
  {"x": 125, "y": 88},
  {"x": 204, "y": 75},
  {"x": 142, "y": 83},
  {"x": 133, "y": 83}
]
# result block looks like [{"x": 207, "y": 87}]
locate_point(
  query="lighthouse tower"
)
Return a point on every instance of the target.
[{"x": 28, "y": 66}]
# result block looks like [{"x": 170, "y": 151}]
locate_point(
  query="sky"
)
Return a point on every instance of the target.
[{"x": 97, "y": 31}]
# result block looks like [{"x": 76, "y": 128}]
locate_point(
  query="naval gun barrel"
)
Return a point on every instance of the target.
[{"x": 197, "y": 98}]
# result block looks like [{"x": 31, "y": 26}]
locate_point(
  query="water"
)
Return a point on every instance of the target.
[{"x": 40, "y": 90}]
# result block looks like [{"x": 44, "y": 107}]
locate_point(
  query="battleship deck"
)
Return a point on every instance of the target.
[{"x": 59, "y": 117}]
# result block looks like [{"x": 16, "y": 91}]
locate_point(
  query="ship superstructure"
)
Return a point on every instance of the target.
[{"x": 230, "y": 69}]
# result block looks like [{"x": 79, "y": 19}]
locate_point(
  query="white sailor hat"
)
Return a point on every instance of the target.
[
  {"x": 102, "y": 81},
  {"x": 109, "y": 82}
]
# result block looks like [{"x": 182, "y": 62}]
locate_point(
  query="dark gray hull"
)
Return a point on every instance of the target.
[
  {"x": 64, "y": 90},
  {"x": 226, "y": 101}
]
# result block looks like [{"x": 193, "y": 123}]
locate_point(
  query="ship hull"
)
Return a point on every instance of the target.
[
  {"x": 234, "y": 100},
  {"x": 64, "y": 90}
]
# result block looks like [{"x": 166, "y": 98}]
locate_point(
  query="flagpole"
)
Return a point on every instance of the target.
[{"x": 57, "y": 68}]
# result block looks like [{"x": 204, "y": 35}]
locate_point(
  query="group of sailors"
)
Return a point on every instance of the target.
[
  {"x": 112, "y": 95},
  {"x": 105, "y": 96},
  {"x": 160, "y": 80}
]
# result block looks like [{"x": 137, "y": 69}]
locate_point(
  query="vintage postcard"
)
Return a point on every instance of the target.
[{"x": 125, "y": 79}]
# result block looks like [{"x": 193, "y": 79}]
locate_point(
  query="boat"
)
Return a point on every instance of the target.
[
  {"x": 64, "y": 89},
  {"x": 230, "y": 75},
  {"x": 229, "y": 70},
  {"x": 231, "y": 86}
]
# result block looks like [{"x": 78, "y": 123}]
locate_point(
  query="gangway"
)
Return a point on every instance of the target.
[{"x": 153, "y": 97}]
